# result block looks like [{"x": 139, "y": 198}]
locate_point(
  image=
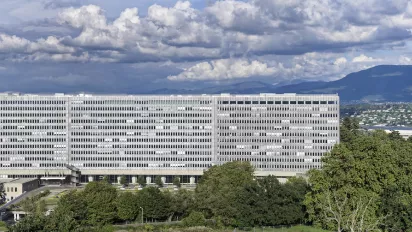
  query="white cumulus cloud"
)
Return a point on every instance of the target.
[
  {"x": 224, "y": 69},
  {"x": 364, "y": 58}
]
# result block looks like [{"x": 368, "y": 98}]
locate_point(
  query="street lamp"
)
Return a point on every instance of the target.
[{"x": 142, "y": 213}]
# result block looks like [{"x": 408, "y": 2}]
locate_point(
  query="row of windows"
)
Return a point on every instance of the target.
[
  {"x": 118, "y": 133},
  {"x": 92, "y": 108},
  {"x": 184, "y": 159},
  {"x": 248, "y": 153},
  {"x": 144, "y": 121},
  {"x": 32, "y": 121},
  {"x": 34, "y": 115},
  {"x": 271, "y": 115},
  {"x": 33, "y": 108},
  {"x": 283, "y": 167},
  {"x": 167, "y": 165},
  {"x": 28, "y": 165},
  {"x": 139, "y": 152},
  {"x": 274, "y": 147},
  {"x": 29, "y": 127},
  {"x": 142, "y": 102},
  {"x": 16, "y": 152},
  {"x": 277, "y": 102},
  {"x": 37, "y": 102},
  {"x": 186, "y": 146},
  {"x": 294, "y": 134},
  {"x": 128, "y": 127},
  {"x": 282, "y": 160},
  {"x": 271, "y": 128},
  {"x": 32, "y": 140},
  {"x": 140, "y": 140},
  {"x": 10, "y": 189},
  {"x": 31, "y": 133},
  {"x": 29, "y": 146}
]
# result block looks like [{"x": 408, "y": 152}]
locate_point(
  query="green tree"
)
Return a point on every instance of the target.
[
  {"x": 100, "y": 200},
  {"x": 349, "y": 129},
  {"x": 155, "y": 205},
  {"x": 194, "y": 219},
  {"x": 69, "y": 214},
  {"x": 141, "y": 181},
  {"x": 219, "y": 188},
  {"x": 267, "y": 202},
  {"x": 41, "y": 207},
  {"x": 398, "y": 208},
  {"x": 127, "y": 206},
  {"x": 181, "y": 203},
  {"x": 2, "y": 194},
  {"x": 28, "y": 205},
  {"x": 354, "y": 173},
  {"x": 30, "y": 223},
  {"x": 158, "y": 181},
  {"x": 395, "y": 135},
  {"x": 106, "y": 179},
  {"x": 176, "y": 181},
  {"x": 123, "y": 180}
]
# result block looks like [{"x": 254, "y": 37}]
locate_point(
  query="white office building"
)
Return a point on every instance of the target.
[{"x": 150, "y": 135}]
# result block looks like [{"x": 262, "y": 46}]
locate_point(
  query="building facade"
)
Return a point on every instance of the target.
[{"x": 280, "y": 134}]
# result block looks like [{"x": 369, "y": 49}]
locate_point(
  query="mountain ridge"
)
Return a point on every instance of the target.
[{"x": 383, "y": 83}]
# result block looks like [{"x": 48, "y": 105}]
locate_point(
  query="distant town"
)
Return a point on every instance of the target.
[{"x": 380, "y": 114}]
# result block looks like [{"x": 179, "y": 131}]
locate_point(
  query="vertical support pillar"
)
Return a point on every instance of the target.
[
  {"x": 118, "y": 179},
  {"x": 90, "y": 178},
  {"x": 163, "y": 178},
  {"x": 148, "y": 180},
  {"x": 134, "y": 180},
  {"x": 192, "y": 180}
]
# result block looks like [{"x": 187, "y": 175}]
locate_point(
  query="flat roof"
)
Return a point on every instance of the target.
[
  {"x": 163, "y": 95},
  {"x": 17, "y": 181}
]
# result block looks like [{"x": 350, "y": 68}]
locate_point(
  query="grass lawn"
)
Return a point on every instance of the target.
[
  {"x": 52, "y": 199},
  {"x": 293, "y": 229}
]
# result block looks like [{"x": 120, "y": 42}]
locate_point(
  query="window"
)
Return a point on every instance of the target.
[{"x": 15, "y": 189}]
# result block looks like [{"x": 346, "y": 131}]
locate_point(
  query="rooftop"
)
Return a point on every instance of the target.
[{"x": 149, "y": 95}]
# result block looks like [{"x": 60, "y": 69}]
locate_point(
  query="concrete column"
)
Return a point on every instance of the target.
[
  {"x": 18, "y": 216},
  {"x": 134, "y": 180},
  {"x": 15, "y": 217},
  {"x": 118, "y": 179},
  {"x": 192, "y": 180},
  {"x": 163, "y": 179},
  {"x": 90, "y": 178},
  {"x": 148, "y": 180}
]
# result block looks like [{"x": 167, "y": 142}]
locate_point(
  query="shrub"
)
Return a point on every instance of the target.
[{"x": 194, "y": 219}]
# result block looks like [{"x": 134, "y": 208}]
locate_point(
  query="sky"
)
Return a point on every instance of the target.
[{"x": 129, "y": 46}]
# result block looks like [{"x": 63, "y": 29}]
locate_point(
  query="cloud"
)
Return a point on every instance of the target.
[
  {"x": 363, "y": 58},
  {"x": 340, "y": 61},
  {"x": 222, "y": 30},
  {"x": 224, "y": 69}
]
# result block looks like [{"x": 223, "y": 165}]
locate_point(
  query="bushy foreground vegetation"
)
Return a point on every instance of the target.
[{"x": 365, "y": 185}]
